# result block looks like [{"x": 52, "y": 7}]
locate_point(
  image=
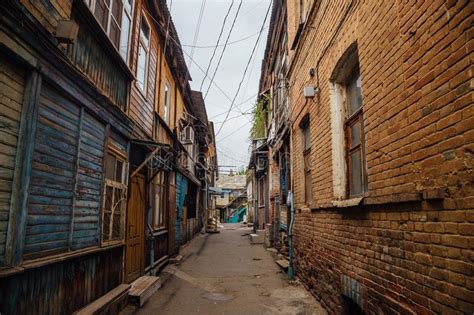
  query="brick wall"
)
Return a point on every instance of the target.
[{"x": 409, "y": 245}]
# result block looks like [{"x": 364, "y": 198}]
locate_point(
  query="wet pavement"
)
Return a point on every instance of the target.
[{"x": 224, "y": 274}]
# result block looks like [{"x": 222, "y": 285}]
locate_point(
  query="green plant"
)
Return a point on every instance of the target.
[{"x": 259, "y": 117}]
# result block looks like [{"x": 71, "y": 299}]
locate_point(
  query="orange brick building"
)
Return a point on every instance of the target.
[{"x": 382, "y": 154}]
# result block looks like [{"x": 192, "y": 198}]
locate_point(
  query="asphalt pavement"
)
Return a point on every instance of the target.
[{"x": 223, "y": 273}]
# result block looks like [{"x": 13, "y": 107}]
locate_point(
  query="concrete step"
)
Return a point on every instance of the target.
[
  {"x": 110, "y": 303},
  {"x": 283, "y": 263},
  {"x": 256, "y": 239},
  {"x": 142, "y": 289}
]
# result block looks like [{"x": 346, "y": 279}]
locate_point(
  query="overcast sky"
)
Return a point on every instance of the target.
[{"x": 233, "y": 140}]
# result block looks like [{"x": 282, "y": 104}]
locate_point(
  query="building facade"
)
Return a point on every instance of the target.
[
  {"x": 385, "y": 220},
  {"x": 271, "y": 158},
  {"x": 101, "y": 140},
  {"x": 381, "y": 153}
]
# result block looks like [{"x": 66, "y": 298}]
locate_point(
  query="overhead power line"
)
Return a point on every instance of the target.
[
  {"x": 217, "y": 44},
  {"x": 225, "y": 46},
  {"x": 212, "y": 81},
  {"x": 198, "y": 28},
  {"x": 241, "y": 103},
  {"x": 246, "y": 68},
  {"x": 228, "y": 44}
]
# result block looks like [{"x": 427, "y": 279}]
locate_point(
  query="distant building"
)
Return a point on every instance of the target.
[{"x": 232, "y": 201}]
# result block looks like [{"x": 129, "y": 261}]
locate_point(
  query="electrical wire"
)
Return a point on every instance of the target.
[
  {"x": 241, "y": 103},
  {"x": 228, "y": 44},
  {"x": 246, "y": 68},
  {"x": 217, "y": 44},
  {"x": 233, "y": 132},
  {"x": 225, "y": 46},
  {"x": 167, "y": 26},
  {"x": 196, "y": 33}
]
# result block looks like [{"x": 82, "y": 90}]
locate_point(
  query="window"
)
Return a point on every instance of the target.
[
  {"x": 354, "y": 132},
  {"x": 115, "y": 198},
  {"x": 261, "y": 192},
  {"x": 115, "y": 17},
  {"x": 167, "y": 103},
  {"x": 306, "y": 132},
  {"x": 160, "y": 201},
  {"x": 347, "y": 125},
  {"x": 302, "y": 12},
  {"x": 143, "y": 52}
]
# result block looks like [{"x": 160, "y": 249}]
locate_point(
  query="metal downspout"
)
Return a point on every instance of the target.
[{"x": 290, "y": 237}]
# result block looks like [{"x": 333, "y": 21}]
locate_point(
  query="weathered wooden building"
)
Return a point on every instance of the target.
[
  {"x": 271, "y": 148},
  {"x": 94, "y": 102}
]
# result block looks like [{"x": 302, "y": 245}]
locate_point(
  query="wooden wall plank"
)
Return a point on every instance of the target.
[{"x": 12, "y": 81}]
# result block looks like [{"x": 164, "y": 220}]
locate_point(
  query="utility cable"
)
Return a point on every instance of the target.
[
  {"x": 246, "y": 68},
  {"x": 225, "y": 46},
  {"x": 196, "y": 34},
  {"x": 217, "y": 44},
  {"x": 228, "y": 44}
]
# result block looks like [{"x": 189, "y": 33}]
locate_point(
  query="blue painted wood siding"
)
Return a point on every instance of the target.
[
  {"x": 66, "y": 177},
  {"x": 12, "y": 81},
  {"x": 63, "y": 287},
  {"x": 88, "y": 184}
]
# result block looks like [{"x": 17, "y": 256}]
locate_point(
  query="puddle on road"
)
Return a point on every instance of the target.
[{"x": 215, "y": 296}]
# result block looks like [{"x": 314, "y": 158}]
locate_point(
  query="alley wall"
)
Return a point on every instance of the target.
[{"x": 405, "y": 244}]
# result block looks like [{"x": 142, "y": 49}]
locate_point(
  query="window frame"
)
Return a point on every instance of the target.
[
  {"x": 122, "y": 156},
  {"x": 307, "y": 169},
  {"x": 124, "y": 12},
  {"x": 160, "y": 182},
  {"x": 356, "y": 118},
  {"x": 167, "y": 102},
  {"x": 143, "y": 89},
  {"x": 302, "y": 11}
]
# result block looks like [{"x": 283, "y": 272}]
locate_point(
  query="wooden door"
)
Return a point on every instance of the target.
[{"x": 135, "y": 252}]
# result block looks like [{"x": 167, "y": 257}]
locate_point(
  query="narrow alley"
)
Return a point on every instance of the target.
[
  {"x": 209, "y": 157},
  {"x": 223, "y": 273}
]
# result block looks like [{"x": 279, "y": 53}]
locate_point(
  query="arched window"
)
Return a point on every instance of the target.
[{"x": 349, "y": 162}]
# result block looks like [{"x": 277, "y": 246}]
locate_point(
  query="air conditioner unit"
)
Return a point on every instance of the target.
[{"x": 187, "y": 135}]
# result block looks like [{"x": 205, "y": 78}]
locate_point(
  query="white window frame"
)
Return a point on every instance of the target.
[
  {"x": 338, "y": 114},
  {"x": 146, "y": 46},
  {"x": 126, "y": 11},
  {"x": 340, "y": 168},
  {"x": 129, "y": 14},
  {"x": 167, "y": 102}
]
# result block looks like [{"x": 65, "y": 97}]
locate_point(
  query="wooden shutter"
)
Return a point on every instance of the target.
[
  {"x": 66, "y": 178},
  {"x": 52, "y": 175},
  {"x": 85, "y": 230}
]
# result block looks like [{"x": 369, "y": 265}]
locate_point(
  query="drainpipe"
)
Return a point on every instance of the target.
[{"x": 290, "y": 236}]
